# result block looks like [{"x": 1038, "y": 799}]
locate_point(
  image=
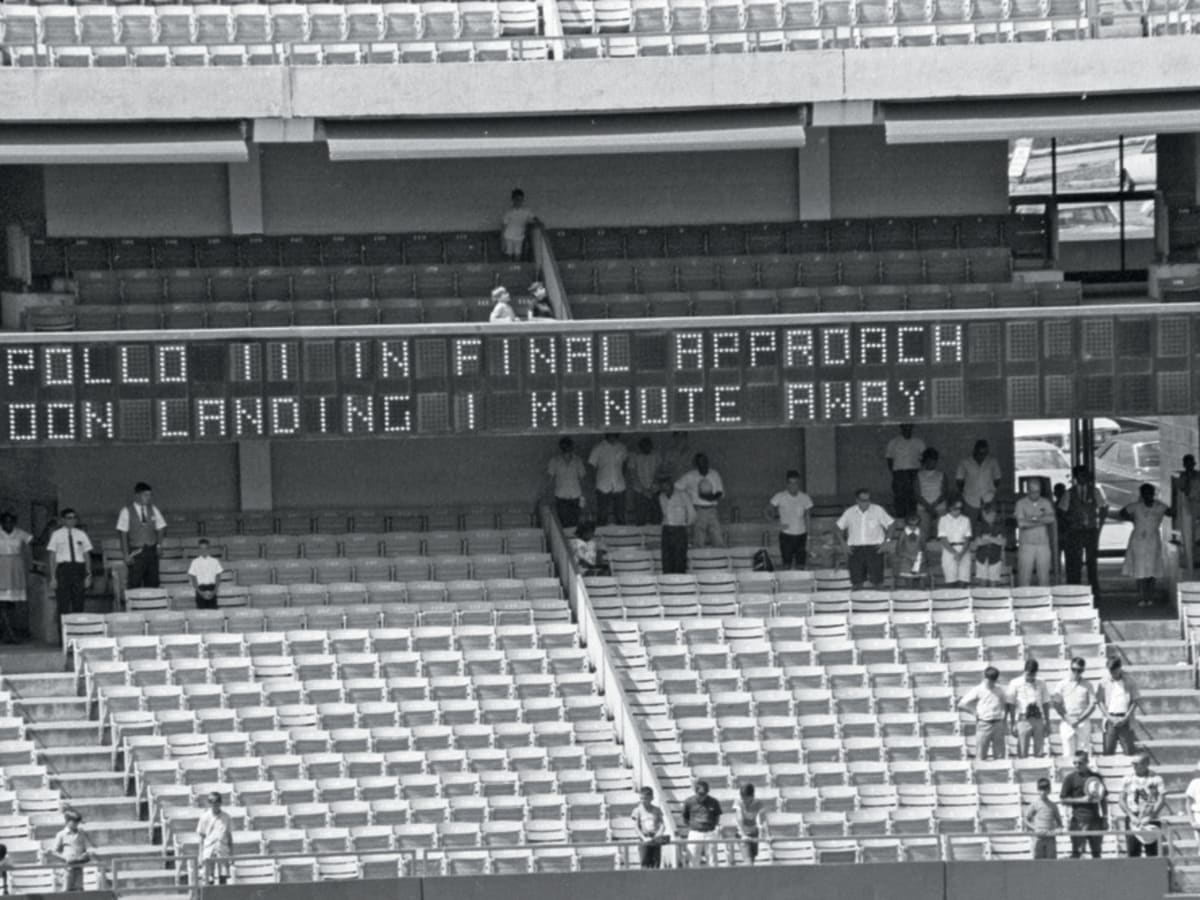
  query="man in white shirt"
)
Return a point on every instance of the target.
[
  {"x": 140, "y": 526},
  {"x": 502, "y": 310},
  {"x": 514, "y": 226},
  {"x": 791, "y": 508},
  {"x": 650, "y": 823},
  {"x": 71, "y": 846},
  {"x": 1117, "y": 698},
  {"x": 863, "y": 529},
  {"x": 608, "y": 459},
  {"x": 1143, "y": 798},
  {"x": 1074, "y": 700},
  {"x": 566, "y": 472},
  {"x": 1029, "y": 710},
  {"x": 903, "y": 456},
  {"x": 705, "y": 489},
  {"x": 1191, "y": 799},
  {"x": 954, "y": 534},
  {"x": 204, "y": 572},
  {"x": 978, "y": 478},
  {"x": 678, "y": 516},
  {"x": 989, "y": 702},
  {"x": 68, "y": 563},
  {"x": 216, "y": 840},
  {"x": 1035, "y": 517}
]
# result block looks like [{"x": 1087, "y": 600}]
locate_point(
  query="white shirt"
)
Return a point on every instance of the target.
[
  {"x": 677, "y": 510},
  {"x": 954, "y": 529},
  {"x": 905, "y": 453},
  {"x": 567, "y": 474},
  {"x": 868, "y": 528},
  {"x": 503, "y": 312},
  {"x": 791, "y": 508},
  {"x": 692, "y": 482},
  {"x": 60, "y": 545},
  {"x": 1193, "y": 794},
  {"x": 205, "y": 569},
  {"x": 1040, "y": 511},
  {"x": 1075, "y": 696},
  {"x": 989, "y": 702},
  {"x": 979, "y": 479},
  {"x": 1022, "y": 693},
  {"x": 151, "y": 513},
  {"x": 216, "y": 835},
  {"x": 516, "y": 220},
  {"x": 70, "y": 845},
  {"x": 608, "y": 458},
  {"x": 1116, "y": 695}
]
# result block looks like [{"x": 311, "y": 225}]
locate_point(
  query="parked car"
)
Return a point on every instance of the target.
[
  {"x": 1040, "y": 459},
  {"x": 1125, "y": 462}
]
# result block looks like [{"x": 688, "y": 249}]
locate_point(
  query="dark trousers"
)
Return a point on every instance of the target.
[
  {"x": 866, "y": 564},
  {"x": 70, "y": 592},
  {"x": 1094, "y": 842},
  {"x": 1122, "y": 734},
  {"x": 904, "y": 492},
  {"x": 1135, "y": 848},
  {"x": 143, "y": 571},
  {"x": 646, "y": 509},
  {"x": 650, "y": 855},
  {"x": 674, "y": 549},
  {"x": 568, "y": 512},
  {"x": 793, "y": 548},
  {"x": 203, "y": 602},
  {"x": 1045, "y": 847},
  {"x": 610, "y": 508},
  {"x": 1077, "y": 543}
]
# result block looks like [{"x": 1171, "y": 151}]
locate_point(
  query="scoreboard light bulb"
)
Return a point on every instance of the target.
[
  {"x": 691, "y": 393},
  {"x": 798, "y": 348},
  {"x": 17, "y": 360},
  {"x": 725, "y": 343},
  {"x": 689, "y": 345},
  {"x": 470, "y": 412},
  {"x": 89, "y": 376},
  {"x": 837, "y": 399},
  {"x": 360, "y": 365},
  {"x": 285, "y": 416},
  {"x": 537, "y": 407},
  {"x": 606, "y": 362},
  {"x": 58, "y": 367},
  {"x": 210, "y": 412},
  {"x": 360, "y": 408},
  {"x": 97, "y": 417},
  {"x": 466, "y": 356},
  {"x": 616, "y": 406},
  {"x": 127, "y": 376},
  {"x": 873, "y": 394},
  {"x": 577, "y": 349},
  {"x": 799, "y": 396},
  {"x": 911, "y": 395},
  {"x": 549, "y": 355},
  {"x": 873, "y": 342},
  {"x": 18, "y": 412},
  {"x": 843, "y": 356},
  {"x": 725, "y": 407},
  {"x": 248, "y": 410},
  {"x": 653, "y": 406},
  {"x": 394, "y": 360},
  {"x": 165, "y": 408},
  {"x": 55, "y": 411},
  {"x": 947, "y": 338},
  {"x": 172, "y": 355},
  {"x": 390, "y": 423},
  {"x": 762, "y": 343},
  {"x": 902, "y": 335}
]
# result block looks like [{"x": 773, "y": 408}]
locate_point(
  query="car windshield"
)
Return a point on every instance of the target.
[
  {"x": 1148, "y": 456},
  {"x": 1042, "y": 458}
]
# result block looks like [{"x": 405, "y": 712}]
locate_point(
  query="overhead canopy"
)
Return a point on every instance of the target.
[
  {"x": 1104, "y": 116},
  {"x": 565, "y": 135},
  {"x": 166, "y": 143}
]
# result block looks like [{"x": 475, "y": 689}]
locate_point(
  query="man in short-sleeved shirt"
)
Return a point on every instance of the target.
[
  {"x": 514, "y": 226},
  {"x": 978, "y": 478},
  {"x": 702, "y": 817},
  {"x": 790, "y": 507},
  {"x": 903, "y": 456},
  {"x": 1086, "y": 814},
  {"x": 954, "y": 534},
  {"x": 608, "y": 459},
  {"x": 1035, "y": 517},
  {"x": 71, "y": 846},
  {"x": 989, "y": 703},
  {"x": 204, "y": 572},
  {"x": 69, "y": 564},
  {"x": 863, "y": 529},
  {"x": 140, "y": 527},
  {"x": 1143, "y": 796},
  {"x": 216, "y": 840},
  {"x": 566, "y": 471},
  {"x": 1029, "y": 710},
  {"x": 705, "y": 489},
  {"x": 1074, "y": 700},
  {"x": 1192, "y": 798}
]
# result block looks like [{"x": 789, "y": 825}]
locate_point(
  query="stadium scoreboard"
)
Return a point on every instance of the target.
[{"x": 594, "y": 376}]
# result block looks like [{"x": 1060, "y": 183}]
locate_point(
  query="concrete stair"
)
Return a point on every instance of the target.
[
  {"x": 1154, "y": 677},
  {"x": 41, "y": 684},
  {"x": 1168, "y": 726},
  {"x": 89, "y": 785},
  {"x": 76, "y": 759},
  {"x": 1169, "y": 701},
  {"x": 1172, "y": 751},
  {"x": 1120, "y": 630},
  {"x": 52, "y": 708},
  {"x": 1161, "y": 653},
  {"x": 125, "y": 832},
  {"x": 99, "y": 810},
  {"x": 64, "y": 734}
]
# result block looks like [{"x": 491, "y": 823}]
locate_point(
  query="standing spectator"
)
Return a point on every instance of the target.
[
  {"x": 16, "y": 560},
  {"x": 750, "y": 814},
  {"x": 863, "y": 530},
  {"x": 1086, "y": 814},
  {"x": 651, "y": 826},
  {"x": 587, "y": 554},
  {"x": 71, "y": 846},
  {"x": 539, "y": 302},
  {"x": 515, "y": 225},
  {"x": 1192, "y": 799},
  {"x": 68, "y": 562},
  {"x": 1035, "y": 516},
  {"x": 204, "y": 572},
  {"x": 954, "y": 534},
  {"x": 908, "y": 562},
  {"x": 978, "y": 477},
  {"x": 1060, "y": 521},
  {"x": 933, "y": 491},
  {"x": 1144, "y": 555},
  {"x": 989, "y": 702},
  {"x": 1117, "y": 698},
  {"x": 678, "y": 516},
  {"x": 1084, "y": 511},
  {"x": 903, "y": 456},
  {"x": 791, "y": 507},
  {"x": 566, "y": 471},
  {"x": 141, "y": 528},
  {"x": 1029, "y": 711},
  {"x": 608, "y": 459},
  {"x": 701, "y": 818},
  {"x": 1074, "y": 700},
  {"x": 1043, "y": 819},
  {"x": 990, "y": 539},
  {"x": 1188, "y": 503},
  {"x": 705, "y": 489},
  {"x": 6, "y": 866},
  {"x": 216, "y": 841},
  {"x": 502, "y": 310},
  {"x": 1143, "y": 797},
  {"x": 677, "y": 455},
  {"x": 643, "y": 467}
]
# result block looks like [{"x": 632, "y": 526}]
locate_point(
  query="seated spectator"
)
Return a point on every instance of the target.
[
  {"x": 589, "y": 557},
  {"x": 539, "y": 302},
  {"x": 502, "y": 311}
]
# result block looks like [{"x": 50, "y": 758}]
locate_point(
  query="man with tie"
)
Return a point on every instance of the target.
[
  {"x": 141, "y": 528},
  {"x": 68, "y": 564}
]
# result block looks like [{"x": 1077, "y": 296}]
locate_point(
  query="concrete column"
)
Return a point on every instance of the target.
[
  {"x": 816, "y": 195},
  {"x": 820, "y": 461},
  {"x": 246, "y": 194},
  {"x": 254, "y": 475}
]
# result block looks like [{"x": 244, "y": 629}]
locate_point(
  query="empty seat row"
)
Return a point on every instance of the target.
[
  {"x": 447, "y": 573},
  {"x": 475, "y": 542},
  {"x": 239, "y": 285},
  {"x": 182, "y": 525},
  {"x": 984, "y": 265},
  {"x": 836, "y": 236},
  {"x": 58, "y": 256},
  {"x": 280, "y": 24}
]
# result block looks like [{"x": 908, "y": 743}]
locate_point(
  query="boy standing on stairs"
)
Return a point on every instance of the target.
[
  {"x": 216, "y": 841},
  {"x": 70, "y": 845}
]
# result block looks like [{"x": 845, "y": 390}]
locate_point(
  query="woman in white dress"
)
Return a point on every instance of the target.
[
  {"x": 1144, "y": 555},
  {"x": 15, "y": 562}
]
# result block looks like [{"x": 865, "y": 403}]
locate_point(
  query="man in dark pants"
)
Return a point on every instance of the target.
[
  {"x": 1086, "y": 814},
  {"x": 903, "y": 455},
  {"x": 68, "y": 563},
  {"x": 1084, "y": 511},
  {"x": 862, "y": 529},
  {"x": 652, "y": 830},
  {"x": 678, "y": 515},
  {"x": 141, "y": 528}
]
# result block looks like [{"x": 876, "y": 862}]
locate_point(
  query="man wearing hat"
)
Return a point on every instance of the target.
[
  {"x": 1083, "y": 793},
  {"x": 140, "y": 525},
  {"x": 539, "y": 306},
  {"x": 70, "y": 845},
  {"x": 1143, "y": 797}
]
